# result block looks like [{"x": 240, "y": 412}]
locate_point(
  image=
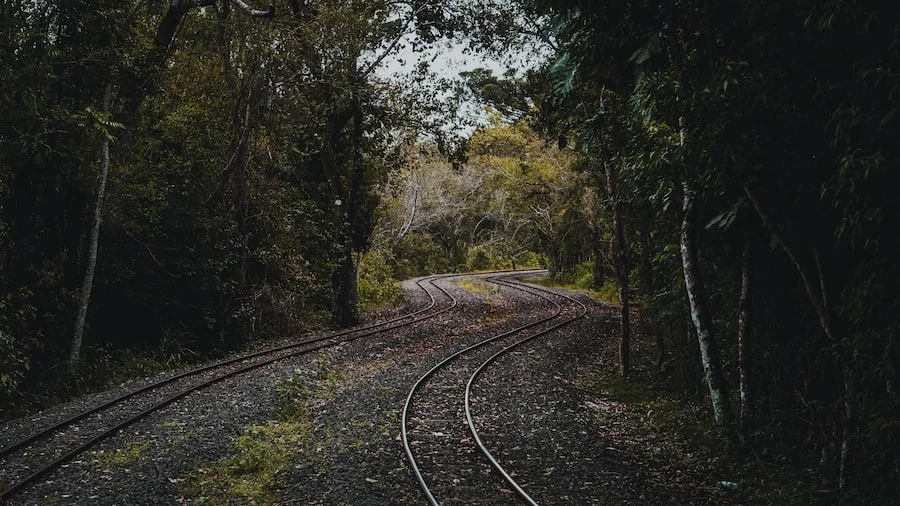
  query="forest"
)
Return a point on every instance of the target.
[{"x": 182, "y": 179}]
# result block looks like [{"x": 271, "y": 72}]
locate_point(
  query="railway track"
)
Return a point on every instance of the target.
[
  {"x": 497, "y": 346},
  {"x": 132, "y": 406}
]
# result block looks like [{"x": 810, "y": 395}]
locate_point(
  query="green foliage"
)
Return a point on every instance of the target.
[
  {"x": 252, "y": 472},
  {"x": 377, "y": 286},
  {"x": 483, "y": 259},
  {"x": 515, "y": 202},
  {"x": 781, "y": 120},
  {"x": 418, "y": 254},
  {"x": 291, "y": 397}
]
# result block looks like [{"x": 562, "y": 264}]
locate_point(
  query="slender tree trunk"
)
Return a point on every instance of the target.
[
  {"x": 93, "y": 245},
  {"x": 709, "y": 353},
  {"x": 599, "y": 270},
  {"x": 650, "y": 288},
  {"x": 619, "y": 254},
  {"x": 745, "y": 362}
]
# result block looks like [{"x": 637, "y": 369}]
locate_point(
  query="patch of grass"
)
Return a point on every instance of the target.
[
  {"x": 478, "y": 286},
  {"x": 252, "y": 471},
  {"x": 609, "y": 292},
  {"x": 121, "y": 457},
  {"x": 495, "y": 315}
]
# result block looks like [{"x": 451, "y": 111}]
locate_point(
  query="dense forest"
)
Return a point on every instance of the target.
[{"x": 181, "y": 179}]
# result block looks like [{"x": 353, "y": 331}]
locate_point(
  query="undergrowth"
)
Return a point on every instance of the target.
[
  {"x": 377, "y": 285},
  {"x": 101, "y": 368},
  {"x": 765, "y": 472},
  {"x": 581, "y": 278}
]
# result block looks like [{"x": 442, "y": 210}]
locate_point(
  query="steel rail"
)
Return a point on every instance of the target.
[
  {"x": 468, "y": 408},
  {"x": 404, "y": 435},
  {"x": 317, "y": 344}
]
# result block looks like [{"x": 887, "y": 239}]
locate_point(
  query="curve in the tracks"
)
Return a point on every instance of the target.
[
  {"x": 468, "y": 408},
  {"x": 300, "y": 348},
  {"x": 417, "y": 472}
]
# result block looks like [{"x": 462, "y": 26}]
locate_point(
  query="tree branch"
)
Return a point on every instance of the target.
[
  {"x": 250, "y": 11},
  {"x": 817, "y": 302},
  {"x": 178, "y": 9}
]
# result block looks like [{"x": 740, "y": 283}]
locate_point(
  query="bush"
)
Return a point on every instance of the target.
[
  {"x": 531, "y": 260},
  {"x": 418, "y": 255},
  {"x": 481, "y": 258},
  {"x": 377, "y": 286}
]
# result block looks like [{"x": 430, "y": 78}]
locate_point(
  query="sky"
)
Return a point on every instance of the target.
[{"x": 447, "y": 60}]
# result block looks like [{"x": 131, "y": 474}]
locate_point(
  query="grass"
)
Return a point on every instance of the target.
[
  {"x": 252, "y": 471},
  {"x": 121, "y": 457},
  {"x": 609, "y": 292},
  {"x": 478, "y": 286}
]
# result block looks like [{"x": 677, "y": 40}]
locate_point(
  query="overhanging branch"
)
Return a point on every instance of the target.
[
  {"x": 256, "y": 13},
  {"x": 179, "y": 8}
]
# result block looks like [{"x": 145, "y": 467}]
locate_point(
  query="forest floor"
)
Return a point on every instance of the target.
[{"x": 325, "y": 429}]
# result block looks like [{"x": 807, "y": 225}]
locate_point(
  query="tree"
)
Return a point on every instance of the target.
[{"x": 93, "y": 245}]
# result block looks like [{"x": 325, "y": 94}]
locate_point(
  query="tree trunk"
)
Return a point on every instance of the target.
[
  {"x": 93, "y": 245},
  {"x": 650, "y": 289},
  {"x": 744, "y": 347},
  {"x": 345, "y": 302},
  {"x": 709, "y": 353},
  {"x": 599, "y": 270},
  {"x": 619, "y": 254}
]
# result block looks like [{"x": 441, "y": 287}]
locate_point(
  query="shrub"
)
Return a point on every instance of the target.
[{"x": 377, "y": 286}]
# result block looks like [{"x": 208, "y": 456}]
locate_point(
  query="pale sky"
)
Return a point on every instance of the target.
[{"x": 447, "y": 60}]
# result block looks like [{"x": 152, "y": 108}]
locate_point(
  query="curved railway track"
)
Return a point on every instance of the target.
[
  {"x": 208, "y": 375},
  {"x": 544, "y": 325}
]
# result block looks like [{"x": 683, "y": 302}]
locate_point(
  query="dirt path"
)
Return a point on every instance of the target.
[{"x": 325, "y": 429}]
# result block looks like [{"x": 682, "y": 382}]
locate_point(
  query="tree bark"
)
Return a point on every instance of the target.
[
  {"x": 650, "y": 289},
  {"x": 345, "y": 301},
  {"x": 745, "y": 362},
  {"x": 619, "y": 255},
  {"x": 599, "y": 270},
  {"x": 93, "y": 245},
  {"x": 709, "y": 353}
]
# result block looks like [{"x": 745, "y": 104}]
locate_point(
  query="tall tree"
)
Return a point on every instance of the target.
[{"x": 94, "y": 240}]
